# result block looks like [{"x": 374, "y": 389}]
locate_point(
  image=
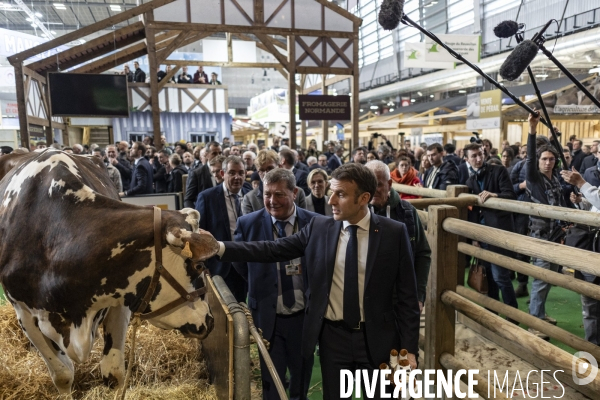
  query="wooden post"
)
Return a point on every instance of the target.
[
  {"x": 324, "y": 123},
  {"x": 303, "y": 140},
  {"x": 355, "y": 90},
  {"x": 46, "y": 101},
  {"x": 292, "y": 88},
  {"x": 440, "y": 318},
  {"x": 229, "y": 48},
  {"x": 151, "y": 44},
  {"x": 22, "y": 105},
  {"x": 455, "y": 191}
]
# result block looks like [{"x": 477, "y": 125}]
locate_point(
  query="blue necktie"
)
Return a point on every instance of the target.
[
  {"x": 351, "y": 300},
  {"x": 287, "y": 284},
  {"x": 236, "y": 201}
]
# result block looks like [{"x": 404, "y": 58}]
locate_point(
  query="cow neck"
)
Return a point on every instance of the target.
[{"x": 161, "y": 271}]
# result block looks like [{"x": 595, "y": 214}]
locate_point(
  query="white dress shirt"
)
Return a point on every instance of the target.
[
  {"x": 592, "y": 195},
  {"x": 335, "y": 307},
  {"x": 431, "y": 177},
  {"x": 231, "y": 211}
]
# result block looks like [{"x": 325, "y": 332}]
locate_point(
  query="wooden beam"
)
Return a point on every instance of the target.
[
  {"x": 222, "y": 64},
  {"x": 167, "y": 77},
  {"x": 190, "y": 26},
  {"x": 31, "y": 73},
  {"x": 355, "y": 89},
  {"x": 22, "y": 105},
  {"x": 271, "y": 49},
  {"x": 339, "y": 10},
  {"x": 45, "y": 98},
  {"x": 153, "y": 68},
  {"x": 439, "y": 317},
  {"x": 325, "y": 123},
  {"x": 292, "y": 89},
  {"x": 259, "y": 12},
  {"x": 229, "y": 47},
  {"x": 92, "y": 49},
  {"x": 303, "y": 140},
  {"x": 95, "y": 27},
  {"x": 328, "y": 82},
  {"x": 174, "y": 45},
  {"x": 325, "y": 70}
]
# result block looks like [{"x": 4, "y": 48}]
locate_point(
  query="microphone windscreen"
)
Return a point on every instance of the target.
[
  {"x": 518, "y": 60},
  {"x": 390, "y": 14},
  {"x": 506, "y": 29}
]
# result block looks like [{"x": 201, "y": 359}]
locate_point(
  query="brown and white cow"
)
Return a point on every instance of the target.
[{"x": 73, "y": 256}]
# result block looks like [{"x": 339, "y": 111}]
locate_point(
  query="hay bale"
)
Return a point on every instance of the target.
[{"x": 167, "y": 366}]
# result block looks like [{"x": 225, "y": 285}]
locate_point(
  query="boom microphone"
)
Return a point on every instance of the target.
[
  {"x": 518, "y": 61},
  {"x": 390, "y": 14},
  {"x": 506, "y": 29}
]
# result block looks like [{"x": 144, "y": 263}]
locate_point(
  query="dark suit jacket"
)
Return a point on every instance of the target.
[
  {"x": 333, "y": 163},
  {"x": 262, "y": 278},
  {"x": 198, "y": 180},
  {"x": 125, "y": 170},
  {"x": 463, "y": 173},
  {"x": 592, "y": 176},
  {"x": 175, "y": 179},
  {"x": 495, "y": 180},
  {"x": 315, "y": 166},
  {"x": 577, "y": 159},
  {"x": 141, "y": 181},
  {"x": 302, "y": 166},
  {"x": 301, "y": 176},
  {"x": 446, "y": 176},
  {"x": 160, "y": 180},
  {"x": 389, "y": 268},
  {"x": 214, "y": 218},
  {"x": 589, "y": 161},
  {"x": 454, "y": 158}
]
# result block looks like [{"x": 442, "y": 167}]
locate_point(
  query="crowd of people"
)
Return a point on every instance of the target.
[
  {"x": 342, "y": 281},
  {"x": 200, "y": 77}
]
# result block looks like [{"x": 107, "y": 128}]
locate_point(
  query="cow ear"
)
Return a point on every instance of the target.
[{"x": 201, "y": 246}]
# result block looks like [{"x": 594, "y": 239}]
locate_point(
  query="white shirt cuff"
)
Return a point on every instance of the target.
[{"x": 221, "y": 249}]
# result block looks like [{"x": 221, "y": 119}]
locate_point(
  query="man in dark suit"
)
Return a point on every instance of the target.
[
  {"x": 219, "y": 209},
  {"x": 200, "y": 178},
  {"x": 355, "y": 263},
  {"x": 449, "y": 149},
  {"x": 142, "y": 177},
  {"x": 335, "y": 160},
  {"x": 276, "y": 291},
  {"x": 488, "y": 181},
  {"x": 590, "y": 160},
  {"x": 287, "y": 162},
  {"x": 442, "y": 173},
  {"x": 160, "y": 177}
]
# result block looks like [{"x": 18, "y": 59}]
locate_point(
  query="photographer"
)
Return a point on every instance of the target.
[{"x": 374, "y": 137}]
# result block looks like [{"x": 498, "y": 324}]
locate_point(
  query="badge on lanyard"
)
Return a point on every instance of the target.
[{"x": 294, "y": 267}]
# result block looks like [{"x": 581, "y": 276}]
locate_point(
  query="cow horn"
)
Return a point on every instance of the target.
[{"x": 186, "y": 252}]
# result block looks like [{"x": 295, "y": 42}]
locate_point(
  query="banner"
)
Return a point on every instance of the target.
[
  {"x": 415, "y": 54},
  {"x": 324, "y": 107},
  {"x": 13, "y": 42},
  {"x": 484, "y": 110},
  {"x": 468, "y": 46}
]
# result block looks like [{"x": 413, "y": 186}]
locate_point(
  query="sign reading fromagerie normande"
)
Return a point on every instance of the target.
[{"x": 314, "y": 107}]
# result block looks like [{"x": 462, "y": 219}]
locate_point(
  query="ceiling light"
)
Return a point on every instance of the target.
[
  {"x": 462, "y": 91},
  {"x": 39, "y": 15},
  {"x": 28, "y": 19},
  {"x": 412, "y": 100},
  {"x": 542, "y": 76},
  {"x": 116, "y": 7},
  {"x": 432, "y": 96},
  {"x": 374, "y": 108},
  {"x": 588, "y": 58},
  {"x": 52, "y": 32},
  {"x": 594, "y": 70},
  {"x": 361, "y": 110},
  {"x": 60, "y": 6},
  {"x": 420, "y": 94},
  {"x": 34, "y": 25},
  {"x": 391, "y": 110}
]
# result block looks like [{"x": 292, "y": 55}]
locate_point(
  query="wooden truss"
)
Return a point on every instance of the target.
[{"x": 305, "y": 37}]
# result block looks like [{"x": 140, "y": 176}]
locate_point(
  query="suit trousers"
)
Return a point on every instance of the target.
[
  {"x": 342, "y": 349},
  {"x": 285, "y": 352}
]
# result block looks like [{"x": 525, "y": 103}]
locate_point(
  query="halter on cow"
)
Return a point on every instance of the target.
[{"x": 72, "y": 257}]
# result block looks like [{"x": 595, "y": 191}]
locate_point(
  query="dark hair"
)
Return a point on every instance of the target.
[
  {"x": 515, "y": 149},
  {"x": 99, "y": 150},
  {"x": 357, "y": 149},
  {"x": 494, "y": 161},
  {"x": 488, "y": 142},
  {"x": 141, "y": 146},
  {"x": 213, "y": 143},
  {"x": 365, "y": 179},
  {"x": 165, "y": 152},
  {"x": 373, "y": 153},
  {"x": 551, "y": 149},
  {"x": 232, "y": 160},
  {"x": 473, "y": 147},
  {"x": 182, "y": 145},
  {"x": 287, "y": 156},
  {"x": 510, "y": 152},
  {"x": 450, "y": 148},
  {"x": 403, "y": 158},
  {"x": 435, "y": 146}
]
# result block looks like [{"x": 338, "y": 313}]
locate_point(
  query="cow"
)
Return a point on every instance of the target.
[{"x": 74, "y": 257}]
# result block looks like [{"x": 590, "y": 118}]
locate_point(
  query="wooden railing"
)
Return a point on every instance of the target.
[
  {"x": 179, "y": 97},
  {"x": 447, "y": 229}
]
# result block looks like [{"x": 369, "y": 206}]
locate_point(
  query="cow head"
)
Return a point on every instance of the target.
[{"x": 193, "y": 319}]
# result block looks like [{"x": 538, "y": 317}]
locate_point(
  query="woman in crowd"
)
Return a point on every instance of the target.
[
  {"x": 425, "y": 165},
  {"x": 507, "y": 158},
  {"x": 318, "y": 202},
  {"x": 543, "y": 185},
  {"x": 372, "y": 155},
  {"x": 405, "y": 174},
  {"x": 175, "y": 171}
]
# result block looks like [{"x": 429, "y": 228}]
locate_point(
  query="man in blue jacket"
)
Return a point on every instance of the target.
[{"x": 143, "y": 174}]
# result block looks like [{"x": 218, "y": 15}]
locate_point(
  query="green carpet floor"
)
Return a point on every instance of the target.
[{"x": 562, "y": 304}]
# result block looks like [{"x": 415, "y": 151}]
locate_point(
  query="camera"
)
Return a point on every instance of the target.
[
  {"x": 376, "y": 135},
  {"x": 476, "y": 138}
]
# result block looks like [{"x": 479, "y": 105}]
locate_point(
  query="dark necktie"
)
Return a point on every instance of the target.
[
  {"x": 351, "y": 300},
  {"x": 238, "y": 209},
  {"x": 287, "y": 284}
]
